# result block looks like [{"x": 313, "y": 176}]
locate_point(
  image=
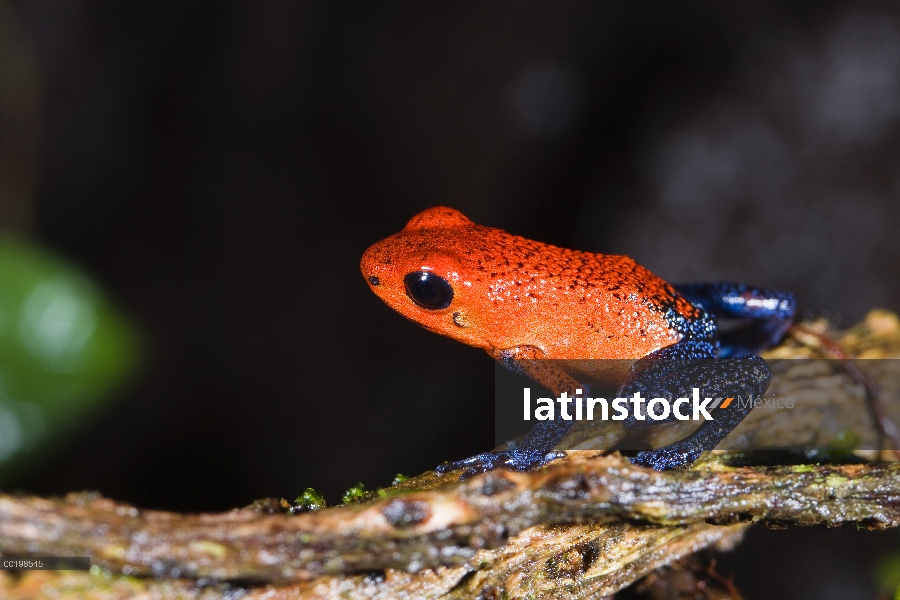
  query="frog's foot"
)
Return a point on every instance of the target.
[
  {"x": 674, "y": 456},
  {"x": 514, "y": 460}
]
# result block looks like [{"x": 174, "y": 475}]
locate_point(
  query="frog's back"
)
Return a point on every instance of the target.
[{"x": 572, "y": 304}]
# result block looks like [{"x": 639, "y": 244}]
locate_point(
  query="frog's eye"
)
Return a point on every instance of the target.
[{"x": 428, "y": 290}]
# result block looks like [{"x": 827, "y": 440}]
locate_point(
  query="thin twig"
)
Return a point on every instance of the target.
[{"x": 883, "y": 422}]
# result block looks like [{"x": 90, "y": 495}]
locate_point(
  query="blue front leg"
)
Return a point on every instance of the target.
[{"x": 537, "y": 449}]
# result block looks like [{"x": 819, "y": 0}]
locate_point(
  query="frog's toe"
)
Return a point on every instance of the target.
[{"x": 667, "y": 458}]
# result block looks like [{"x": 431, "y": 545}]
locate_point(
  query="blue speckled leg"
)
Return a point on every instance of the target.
[
  {"x": 672, "y": 373},
  {"x": 762, "y": 316},
  {"x": 759, "y": 319}
]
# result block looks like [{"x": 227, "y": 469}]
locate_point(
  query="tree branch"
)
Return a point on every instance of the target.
[{"x": 588, "y": 525}]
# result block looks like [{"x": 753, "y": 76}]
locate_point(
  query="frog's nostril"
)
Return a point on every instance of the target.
[{"x": 374, "y": 280}]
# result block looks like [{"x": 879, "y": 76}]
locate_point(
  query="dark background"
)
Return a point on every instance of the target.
[{"x": 221, "y": 168}]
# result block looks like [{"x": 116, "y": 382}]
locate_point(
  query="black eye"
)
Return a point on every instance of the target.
[{"x": 428, "y": 290}]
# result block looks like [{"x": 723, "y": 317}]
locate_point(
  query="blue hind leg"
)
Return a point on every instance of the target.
[
  {"x": 749, "y": 319},
  {"x": 672, "y": 374}
]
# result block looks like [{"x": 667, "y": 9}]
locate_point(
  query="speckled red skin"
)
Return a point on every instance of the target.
[{"x": 512, "y": 292}]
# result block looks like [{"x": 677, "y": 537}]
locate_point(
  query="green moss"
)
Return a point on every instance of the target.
[
  {"x": 399, "y": 478},
  {"x": 804, "y": 468},
  {"x": 309, "y": 500},
  {"x": 354, "y": 493},
  {"x": 835, "y": 481}
]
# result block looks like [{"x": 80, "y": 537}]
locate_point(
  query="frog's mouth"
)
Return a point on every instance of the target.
[{"x": 428, "y": 327}]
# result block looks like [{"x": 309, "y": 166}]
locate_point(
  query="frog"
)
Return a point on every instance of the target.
[{"x": 564, "y": 317}]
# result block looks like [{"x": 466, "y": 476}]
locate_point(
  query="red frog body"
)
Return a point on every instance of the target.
[{"x": 520, "y": 300}]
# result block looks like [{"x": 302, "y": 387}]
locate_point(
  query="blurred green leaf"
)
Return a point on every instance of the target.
[{"x": 63, "y": 348}]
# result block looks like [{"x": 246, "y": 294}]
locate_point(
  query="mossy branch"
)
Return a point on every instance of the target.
[
  {"x": 445, "y": 526},
  {"x": 585, "y": 526}
]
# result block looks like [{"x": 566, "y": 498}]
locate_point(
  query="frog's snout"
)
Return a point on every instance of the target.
[
  {"x": 375, "y": 266},
  {"x": 366, "y": 265}
]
